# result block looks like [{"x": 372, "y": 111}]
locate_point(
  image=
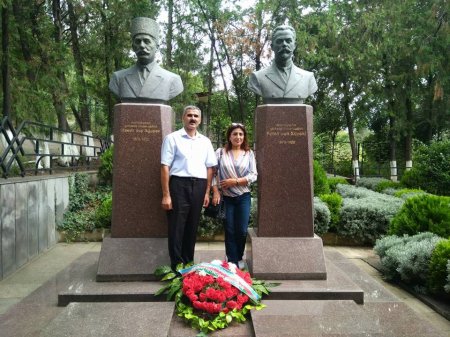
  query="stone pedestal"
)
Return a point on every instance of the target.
[
  {"x": 138, "y": 242},
  {"x": 139, "y": 130},
  {"x": 283, "y": 245}
]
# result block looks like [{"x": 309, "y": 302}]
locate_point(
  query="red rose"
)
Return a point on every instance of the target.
[{"x": 231, "y": 305}]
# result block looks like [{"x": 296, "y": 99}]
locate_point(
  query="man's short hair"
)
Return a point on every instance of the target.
[
  {"x": 283, "y": 28},
  {"x": 191, "y": 107}
]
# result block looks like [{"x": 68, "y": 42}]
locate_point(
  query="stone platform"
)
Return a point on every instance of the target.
[
  {"x": 84, "y": 288},
  {"x": 385, "y": 312}
]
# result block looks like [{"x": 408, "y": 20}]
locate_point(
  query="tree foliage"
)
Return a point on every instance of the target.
[{"x": 380, "y": 65}]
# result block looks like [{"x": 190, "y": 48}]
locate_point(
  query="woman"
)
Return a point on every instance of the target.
[{"x": 236, "y": 171}]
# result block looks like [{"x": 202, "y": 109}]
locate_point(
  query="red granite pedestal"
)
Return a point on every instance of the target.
[
  {"x": 139, "y": 225},
  {"x": 284, "y": 245}
]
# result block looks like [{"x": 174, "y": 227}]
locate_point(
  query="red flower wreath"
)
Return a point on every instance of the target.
[
  {"x": 210, "y": 296},
  {"x": 213, "y": 295}
]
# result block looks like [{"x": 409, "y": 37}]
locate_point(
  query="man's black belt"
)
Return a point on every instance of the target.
[{"x": 188, "y": 178}]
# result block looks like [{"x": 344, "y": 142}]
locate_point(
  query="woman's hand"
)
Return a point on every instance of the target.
[{"x": 227, "y": 183}]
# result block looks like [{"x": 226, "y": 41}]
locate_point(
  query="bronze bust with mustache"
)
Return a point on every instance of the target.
[
  {"x": 145, "y": 81},
  {"x": 282, "y": 82}
]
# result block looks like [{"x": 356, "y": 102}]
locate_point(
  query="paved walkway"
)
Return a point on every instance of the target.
[{"x": 22, "y": 283}]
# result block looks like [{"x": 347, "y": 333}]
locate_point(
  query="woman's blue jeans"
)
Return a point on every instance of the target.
[{"x": 237, "y": 216}]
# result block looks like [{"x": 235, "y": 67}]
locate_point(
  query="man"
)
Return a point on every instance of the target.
[
  {"x": 146, "y": 81},
  {"x": 283, "y": 82},
  {"x": 187, "y": 163}
]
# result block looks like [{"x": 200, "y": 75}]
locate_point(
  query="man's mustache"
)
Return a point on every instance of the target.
[{"x": 192, "y": 121}]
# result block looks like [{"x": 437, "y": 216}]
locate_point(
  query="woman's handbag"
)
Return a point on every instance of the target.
[{"x": 215, "y": 211}]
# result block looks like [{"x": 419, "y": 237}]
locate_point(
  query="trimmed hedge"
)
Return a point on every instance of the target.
[
  {"x": 423, "y": 213},
  {"x": 406, "y": 193},
  {"x": 365, "y": 214},
  {"x": 334, "y": 181},
  {"x": 370, "y": 182},
  {"x": 407, "y": 258},
  {"x": 438, "y": 268},
  {"x": 322, "y": 217},
  {"x": 320, "y": 179},
  {"x": 334, "y": 203}
]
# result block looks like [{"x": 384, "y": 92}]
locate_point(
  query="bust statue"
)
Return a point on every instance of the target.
[
  {"x": 145, "y": 81},
  {"x": 282, "y": 82}
]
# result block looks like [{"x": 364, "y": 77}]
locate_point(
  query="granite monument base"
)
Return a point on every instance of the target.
[
  {"x": 139, "y": 130},
  {"x": 285, "y": 170},
  {"x": 286, "y": 258},
  {"x": 131, "y": 259}
]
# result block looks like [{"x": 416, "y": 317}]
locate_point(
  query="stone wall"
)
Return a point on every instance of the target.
[{"x": 30, "y": 209}]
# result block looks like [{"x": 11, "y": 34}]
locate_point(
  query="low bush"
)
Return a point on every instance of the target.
[
  {"x": 320, "y": 180},
  {"x": 209, "y": 227},
  {"x": 334, "y": 203},
  {"x": 407, "y": 258},
  {"x": 406, "y": 193},
  {"x": 447, "y": 286},
  {"x": 321, "y": 217},
  {"x": 334, "y": 181},
  {"x": 365, "y": 214},
  {"x": 370, "y": 182},
  {"x": 423, "y": 213},
  {"x": 83, "y": 206},
  {"x": 383, "y": 185},
  {"x": 103, "y": 214},
  {"x": 105, "y": 170},
  {"x": 438, "y": 267}
]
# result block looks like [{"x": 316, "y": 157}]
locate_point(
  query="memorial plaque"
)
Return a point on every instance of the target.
[
  {"x": 285, "y": 170},
  {"x": 139, "y": 130}
]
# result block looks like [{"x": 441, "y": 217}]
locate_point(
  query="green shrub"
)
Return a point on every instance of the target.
[
  {"x": 423, "y": 213},
  {"x": 321, "y": 217},
  {"x": 438, "y": 267},
  {"x": 334, "y": 203},
  {"x": 370, "y": 182},
  {"x": 103, "y": 214},
  {"x": 411, "y": 178},
  {"x": 365, "y": 214},
  {"x": 387, "y": 184},
  {"x": 83, "y": 202},
  {"x": 333, "y": 181},
  {"x": 79, "y": 193},
  {"x": 431, "y": 170},
  {"x": 407, "y": 258},
  {"x": 105, "y": 170},
  {"x": 406, "y": 193},
  {"x": 447, "y": 286},
  {"x": 209, "y": 227},
  {"x": 320, "y": 180}
]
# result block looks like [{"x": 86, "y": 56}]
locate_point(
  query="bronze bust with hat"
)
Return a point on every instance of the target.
[{"x": 145, "y": 81}]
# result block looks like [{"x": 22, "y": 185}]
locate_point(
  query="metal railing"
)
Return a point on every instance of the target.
[{"x": 35, "y": 147}]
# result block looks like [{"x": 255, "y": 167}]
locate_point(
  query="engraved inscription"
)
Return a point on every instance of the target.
[
  {"x": 140, "y": 131},
  {"x": 286, "y": 133}
]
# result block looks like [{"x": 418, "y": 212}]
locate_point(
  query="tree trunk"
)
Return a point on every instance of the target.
[
  {"x": 169, "y": 36},
  {"x": 61, "y": 91},
  {"x": 5, "y": 62},
  {"x": 351, "y": 133},
  {"x": 83, "y": 104},
  {"x": 392, "y": 146},
  {"x": 409, "y": 126}
]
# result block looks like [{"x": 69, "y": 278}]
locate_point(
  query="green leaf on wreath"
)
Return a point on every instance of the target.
[
  {"x": 162, "y": 290},
  {"x": 169, "y": 276},
  {"x": 162, "y": 270}
]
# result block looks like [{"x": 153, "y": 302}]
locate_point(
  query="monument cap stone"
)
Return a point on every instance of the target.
[{"x": 143, "y": 25}]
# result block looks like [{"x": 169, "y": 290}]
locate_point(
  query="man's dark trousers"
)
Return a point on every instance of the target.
[{"x": 187, "y": 196}]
